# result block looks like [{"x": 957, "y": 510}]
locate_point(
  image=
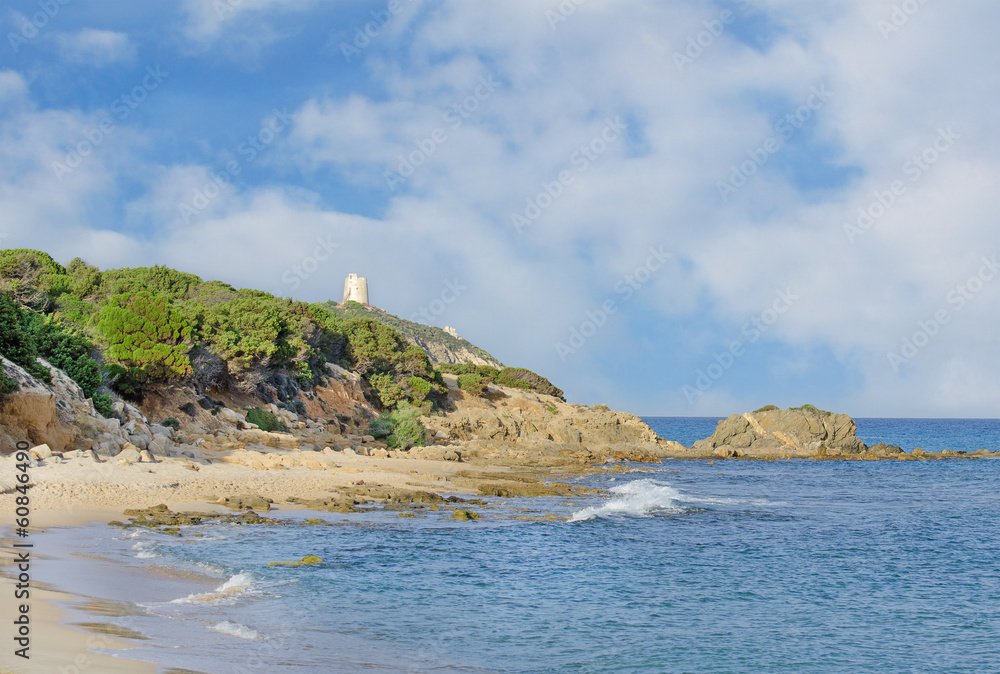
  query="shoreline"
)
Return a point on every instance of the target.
[{"x": 55, "y": 644}]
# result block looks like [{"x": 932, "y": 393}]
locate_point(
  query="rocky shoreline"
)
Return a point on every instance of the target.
[{"x": 511, "y": 442}]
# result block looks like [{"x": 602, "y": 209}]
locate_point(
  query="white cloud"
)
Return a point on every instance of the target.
[
  {"x": 96, "y": 48},
  {"x": 655, "y": 186}
]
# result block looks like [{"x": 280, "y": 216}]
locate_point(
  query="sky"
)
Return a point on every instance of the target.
[{"x": 684, "y": 208}]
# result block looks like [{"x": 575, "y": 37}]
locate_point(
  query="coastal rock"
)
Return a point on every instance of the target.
[
  {"x": 41, "y": 452},
  {"x": 232, "y": 416},
  {"x": 798, "y": 432},
  {"x": 884, "y": 451},
  {"x": 247, "y": 502},
  {"x": 128, "y": 455}
]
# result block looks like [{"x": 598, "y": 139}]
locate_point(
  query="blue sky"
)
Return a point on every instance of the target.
[{"x": 684, "y": 208}]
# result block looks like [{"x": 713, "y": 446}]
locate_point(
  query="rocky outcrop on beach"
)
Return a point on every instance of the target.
[
  {"x": 512, "y": 425},
  {"x": 56, "y": 414}
]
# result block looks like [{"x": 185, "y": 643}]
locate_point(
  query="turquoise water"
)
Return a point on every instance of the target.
[{"x": 784, "y": 566}]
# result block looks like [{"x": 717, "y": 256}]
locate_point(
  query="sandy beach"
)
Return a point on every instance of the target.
[{"x": 77, "y": 491}]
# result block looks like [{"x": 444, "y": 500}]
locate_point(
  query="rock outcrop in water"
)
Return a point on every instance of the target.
[{"x": 802, "y": 432}]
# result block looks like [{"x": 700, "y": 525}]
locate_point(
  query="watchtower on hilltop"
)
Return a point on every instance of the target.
[{"x": 356, "y": 289}]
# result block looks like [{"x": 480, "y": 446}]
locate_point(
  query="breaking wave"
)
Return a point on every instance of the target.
[
  {"x": 239, "y": 585},
  {"x": 639, "y": 498}
]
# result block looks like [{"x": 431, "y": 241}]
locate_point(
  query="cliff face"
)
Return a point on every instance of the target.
[
  {"x": 440, "y": 352},
  {"x": 56, "y": 415}
]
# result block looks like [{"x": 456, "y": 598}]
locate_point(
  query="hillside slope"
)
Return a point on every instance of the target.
[{"x": 439, "y": 346}]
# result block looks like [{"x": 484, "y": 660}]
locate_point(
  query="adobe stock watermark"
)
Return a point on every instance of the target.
[
  {"x": 365, "y": 35},
  {"x": 451, "y": 291},
  {"x": 226, "y": 8},
  {"x": 562, "y": 12},
  {"x": 121, "y": 108},
  {"x": 958, "y": 298},
  {"x": 323, "y": 251},
  {"x": 753, "y": 330},
  {"x": 915, "y": 168},
  {"x": 250, "y": 149},
  {"x": 626, "y": 288},
  {"x": 580, "y": 162},
  {"x": 786, "y": 127},
  {"x": 899, "y": 17},
  {"x": 33, "y": 25},
  {"x": 454, "y": 116}
]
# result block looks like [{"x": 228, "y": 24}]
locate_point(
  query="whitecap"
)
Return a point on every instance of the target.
[
  {"x": 236, "y": 630},
  {"x": 239, "y": 585},
  {"x": 638, "y": 498},
  {"x": 144, "y": 550}
]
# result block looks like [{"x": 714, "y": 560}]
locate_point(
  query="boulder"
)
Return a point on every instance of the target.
[
  {"x": 161, "y": 431},
  {"x": 130, "y": 454},
  {"x": 884, "y": 451},
  {"x": 232, "y": 416},
  {"x": 41, "y": 452},
  {"x": 146, "y": 456},
  {"x": 158, "y": 445}
]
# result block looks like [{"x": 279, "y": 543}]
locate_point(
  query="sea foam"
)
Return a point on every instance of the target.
[
  {"x": 144, "y": 550},
  {"x": 638, "y": 498},
  {"x": 239, "y": 585},
  {"x": 236, "y": 630}
]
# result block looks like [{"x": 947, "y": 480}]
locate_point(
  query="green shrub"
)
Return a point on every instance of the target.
[
  {"x": 102, "y": 403},
  {"x": 401, "y": 427},
  {"x": 68, "y": 351},
  {"x": 766, "y": 408},
  {"x": 32, "y": 277},
  {"x": 7, "y": 385},
  {"x": 16, "y": 343},
  {"x": 171, "y": 422},
  {"x": 158, "y": 280},
  {"x": 145, "y": 335},
  {"x": 552, "y": 408},
  {"x": 535, "y": 381},
  {"x": 473, "y": 384},
  {"x": 389, "y": 393},
  {"x": 265, "y": 420},
  {"x": 255, "y": 327},
  {"x": 418, "y": 389}
]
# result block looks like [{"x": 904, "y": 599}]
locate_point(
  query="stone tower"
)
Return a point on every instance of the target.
[{"x": 356, "y": 288}]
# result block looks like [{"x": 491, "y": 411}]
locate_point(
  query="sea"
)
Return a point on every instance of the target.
[{"x": 682, "y": 566}]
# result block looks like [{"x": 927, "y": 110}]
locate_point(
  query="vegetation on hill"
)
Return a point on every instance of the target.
[
  {"x": 132, "y": 329},
  {"x": 474, "y": 378},
  {"x": 414, "y": 332}
]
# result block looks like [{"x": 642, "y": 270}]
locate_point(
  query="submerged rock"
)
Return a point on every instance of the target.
[{"x": 308, "y": 560}]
